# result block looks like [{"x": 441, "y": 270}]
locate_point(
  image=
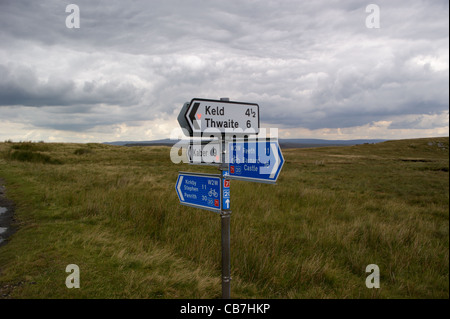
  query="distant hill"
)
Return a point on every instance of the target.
[
  {"x": 305, "y": 143},
  {"x": 284, "y": 143}
]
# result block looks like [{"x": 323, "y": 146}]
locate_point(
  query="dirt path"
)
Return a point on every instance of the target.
[
  {"x": 6, "y": 230},
  {"x": 6, "y": 215}
]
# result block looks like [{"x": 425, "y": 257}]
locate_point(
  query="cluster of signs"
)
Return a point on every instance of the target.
[{"x": 248, "y": 159}]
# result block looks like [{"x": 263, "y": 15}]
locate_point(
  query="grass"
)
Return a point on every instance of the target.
[
  {"x": 31, "y": 152},
  {"x": 114, "y": 212}
]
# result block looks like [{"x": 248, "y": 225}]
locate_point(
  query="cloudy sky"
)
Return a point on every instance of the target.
[{"x": 317, "y": 69}]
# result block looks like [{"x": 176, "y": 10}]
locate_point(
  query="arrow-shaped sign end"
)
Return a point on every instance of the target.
[
  {"x": 191, "y": 116},
  {"x": 274, "y": 149},
  {"x": 180, "y": 193}
]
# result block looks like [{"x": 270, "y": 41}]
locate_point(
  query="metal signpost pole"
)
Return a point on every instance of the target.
[
  {"x": 226, "y": 271},
  {"x": 225, "y": 225}
]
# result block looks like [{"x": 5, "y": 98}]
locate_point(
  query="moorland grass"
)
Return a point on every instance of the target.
[{"x": 114, "y": 212}]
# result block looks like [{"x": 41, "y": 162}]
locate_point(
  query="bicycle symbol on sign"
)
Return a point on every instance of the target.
[{"x": 212, "y": 192}]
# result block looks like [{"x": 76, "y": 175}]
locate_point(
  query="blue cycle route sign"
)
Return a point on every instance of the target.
[
  {"x": 255, "y": 161},
  {"x": 199, "y": 190}
]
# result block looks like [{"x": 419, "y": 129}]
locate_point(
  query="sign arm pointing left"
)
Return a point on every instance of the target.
[
  {"x": 180, "y": 182},
  {"x": 192, "y": 118}
]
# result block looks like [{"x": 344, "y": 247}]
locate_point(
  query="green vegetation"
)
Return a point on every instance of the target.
[
  {"x": 114, "y": 212},
  {"x": 31, "y": 152},
  {"x": 82, "y": 151}
]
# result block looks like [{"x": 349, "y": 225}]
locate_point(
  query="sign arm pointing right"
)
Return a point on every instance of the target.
[{"x": 277, "y": 160}]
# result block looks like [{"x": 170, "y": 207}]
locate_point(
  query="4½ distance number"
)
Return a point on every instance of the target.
[{"x": 250, "y": 113}]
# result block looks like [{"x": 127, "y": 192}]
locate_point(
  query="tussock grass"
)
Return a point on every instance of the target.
[
  {"x": 114, "y": 212},
  {"x": 82, "y": 151},
  {"x": 34, "y": 157},
  {"x": 30, "y": 152},
  {"x": 30, "y": 146}
]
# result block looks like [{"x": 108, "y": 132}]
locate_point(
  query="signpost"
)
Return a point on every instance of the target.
[{"x": 254, "y": 161}]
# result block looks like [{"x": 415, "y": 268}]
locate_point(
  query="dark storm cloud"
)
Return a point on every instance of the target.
[{"x": 21, "y": 86}]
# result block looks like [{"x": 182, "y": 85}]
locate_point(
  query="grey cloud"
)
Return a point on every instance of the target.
[
  {"x": 311, "y": 64},
  {"x": 21, "y": 86},
  {"x": 77, "y": 118},
  {"x": 421, "y": 121}
]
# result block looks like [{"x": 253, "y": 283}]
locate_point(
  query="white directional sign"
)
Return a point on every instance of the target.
[
  {"x": 199, "y": 152},
  {"x": 227, "y": 117}
]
